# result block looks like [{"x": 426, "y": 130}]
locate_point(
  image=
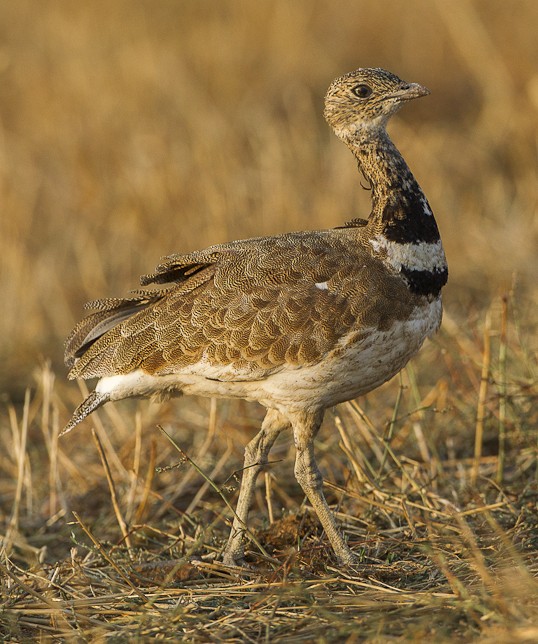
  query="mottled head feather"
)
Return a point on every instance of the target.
[{"x": 361, "y": 102}]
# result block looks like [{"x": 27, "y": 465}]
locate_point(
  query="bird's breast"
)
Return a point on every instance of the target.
[{"x": 362, "y": 361}]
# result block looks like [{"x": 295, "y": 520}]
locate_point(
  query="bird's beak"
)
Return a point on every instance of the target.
[{"x": 410, "y": 91}]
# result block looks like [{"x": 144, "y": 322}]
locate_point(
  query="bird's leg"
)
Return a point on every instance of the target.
[
  {"x": 305, "y": 428},
  {"x": 256, "y": 456}
]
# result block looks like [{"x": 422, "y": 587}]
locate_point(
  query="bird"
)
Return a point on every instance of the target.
[{"x": 298, "y": 322}]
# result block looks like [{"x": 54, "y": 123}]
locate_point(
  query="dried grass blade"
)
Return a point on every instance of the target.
[
  {"x": 109, "y": 559},
  {"x": 113, "y": 495}
]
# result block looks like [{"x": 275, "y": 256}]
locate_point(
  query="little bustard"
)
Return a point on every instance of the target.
[{"x": 298, "y": 322}]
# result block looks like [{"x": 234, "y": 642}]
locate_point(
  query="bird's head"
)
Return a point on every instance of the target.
[{"x": 359, "y": 103}]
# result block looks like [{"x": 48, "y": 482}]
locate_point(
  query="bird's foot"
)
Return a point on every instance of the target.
[
  {"x": 234, "y": 557},
  {"x": 346, "y": 558}
]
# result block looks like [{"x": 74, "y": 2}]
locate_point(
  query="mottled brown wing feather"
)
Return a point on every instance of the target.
[
  {"x": 109, "y": 313},
  {"x": 256, "y": 307}
]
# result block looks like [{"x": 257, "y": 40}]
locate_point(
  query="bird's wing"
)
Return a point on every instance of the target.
[
  {"x": 109, "y": 312},
  {"x": 253, "y": 306}
]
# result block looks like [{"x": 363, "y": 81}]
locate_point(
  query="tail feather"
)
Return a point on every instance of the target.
[
  {"x": 92, "y": 402},
  {"x": 108, "y": 314}
]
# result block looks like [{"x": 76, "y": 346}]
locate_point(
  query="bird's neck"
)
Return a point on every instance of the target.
[
  {"x": 400, "y": 211},
  {"x": 403, "y": 233}
]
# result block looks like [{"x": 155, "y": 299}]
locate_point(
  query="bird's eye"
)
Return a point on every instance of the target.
[{"x": 362, "y": 91}]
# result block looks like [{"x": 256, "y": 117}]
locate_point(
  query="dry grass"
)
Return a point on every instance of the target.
[{"x": 133, "y": 129}]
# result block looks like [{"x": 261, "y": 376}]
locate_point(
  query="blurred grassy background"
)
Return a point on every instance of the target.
[
  {"x": 130, "y": 129},
  {"x": 133, "y": 129}
]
